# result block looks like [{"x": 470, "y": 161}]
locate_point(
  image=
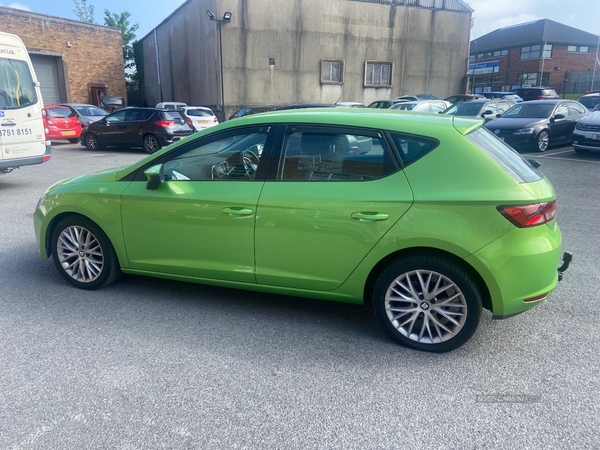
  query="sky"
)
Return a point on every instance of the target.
[{"x": 489, "y": 15}]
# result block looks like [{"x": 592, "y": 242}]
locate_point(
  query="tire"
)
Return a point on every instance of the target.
[
  {"x": 91, "y": 262},
  {"x": 151, "y": 144},
  {"x": 91, "y": 142},
  {"x": 542, "y": 141},
  {"x": 419, "y": 321},
  {"x": 74, "y": 141}
]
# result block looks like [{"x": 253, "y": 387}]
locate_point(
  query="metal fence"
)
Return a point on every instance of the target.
[{"x": 581, "y": 82}]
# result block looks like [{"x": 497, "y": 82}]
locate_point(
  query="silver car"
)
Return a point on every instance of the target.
[
  {"x": 86, "y": 113},
  {"x": 586, "y": 136}
]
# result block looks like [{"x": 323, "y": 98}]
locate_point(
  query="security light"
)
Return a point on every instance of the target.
[
  {"x": 210, "y": 14},
  {"x": 227, "y": 16}
]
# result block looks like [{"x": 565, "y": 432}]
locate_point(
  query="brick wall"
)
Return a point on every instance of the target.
[{"x": 95, "y": 55}]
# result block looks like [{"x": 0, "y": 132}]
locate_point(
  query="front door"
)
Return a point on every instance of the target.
[
  {"x": 337, "y": 192},
  {"x": 200, "y": 221}
]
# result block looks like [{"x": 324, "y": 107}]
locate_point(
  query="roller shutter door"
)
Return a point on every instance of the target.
[{"x": 46, "y": 70}]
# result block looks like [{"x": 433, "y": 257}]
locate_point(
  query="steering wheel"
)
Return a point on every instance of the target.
[{"x": 250, "y": 162}]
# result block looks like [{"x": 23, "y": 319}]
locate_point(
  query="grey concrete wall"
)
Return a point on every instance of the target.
[{"x": 428, "y": 48}]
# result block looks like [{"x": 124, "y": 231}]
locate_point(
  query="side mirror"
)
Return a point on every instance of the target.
[
  {"x": 487, "y": 112},
  {"x": 155, "y": 175},
  {"x": 558, "y": 117}
]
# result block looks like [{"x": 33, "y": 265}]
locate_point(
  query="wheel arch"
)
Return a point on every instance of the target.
[{"x": 412, "y": 251}]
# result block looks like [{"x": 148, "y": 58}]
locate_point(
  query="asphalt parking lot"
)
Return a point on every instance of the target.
[{"x": 149, "y": 363}]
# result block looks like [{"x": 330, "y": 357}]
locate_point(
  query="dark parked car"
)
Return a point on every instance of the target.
[
  {"x": 536, "y": 93},
  {"x": 247, "y": 111},
  {"x": 586, "y": 136},
  {"x": 536, "y": 124},
  {"x": 149, "y": 128},
  {"x": 384, "y": 104},
  {"x": 480, "y": 108}
]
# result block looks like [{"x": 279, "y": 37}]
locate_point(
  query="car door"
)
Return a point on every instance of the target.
[
  {"x": 327, "y": 206},
  {"x": 199, "y": 222},
  {"x": 110, "y": 129},
  {"x": 134, "y": 126},
  {"x": 559, "y": 126}
]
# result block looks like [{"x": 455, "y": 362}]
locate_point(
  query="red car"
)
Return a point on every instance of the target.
[{"x": 61, "y": 123}]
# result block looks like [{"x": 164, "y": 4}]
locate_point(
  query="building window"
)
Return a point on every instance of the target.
[
  {"x": 332, "y": 71},
  {"x": 578, "y": 49},
  {"x": 533, "y": 79},
  {"x": 535, "y": 52},
  {"x": 378, "y": 74},
  {"x": 494, "y": 54}
]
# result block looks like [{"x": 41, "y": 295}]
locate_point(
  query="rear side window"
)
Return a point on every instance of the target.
[
  {"x": 332, "y": 155},
  {"x": 411, "y": 148},
  {"x": 507, "y": 158}
]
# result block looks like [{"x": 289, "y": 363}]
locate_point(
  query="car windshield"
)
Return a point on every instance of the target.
[
  {"x": 465, "y": 109},
  {"x": 530, "y": 111},
  {"x": 16, "y": 84},
  {"x": 90, "y": 110},
  {"x": 57, "y": 112},
  {"x": 198, "y": 113},
  {"x": 505, "y": 156},
  {"x": 590, "y": 102}
]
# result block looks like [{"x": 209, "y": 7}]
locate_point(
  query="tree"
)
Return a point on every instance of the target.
[
  {"x": 121, "y": 21},
  {"x": 83, "y": 11}
]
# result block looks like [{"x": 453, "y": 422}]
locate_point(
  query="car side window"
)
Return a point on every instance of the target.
[
  {"x": 437, "y": 107},
  {"x": 503, "y": 106},
  {"x": 136, "y": 115},
  {"x": 490, "y": 107},
  {"x": 411, "y": 148},
  {"x": 117, "y": 117},
  {"x": 562, "y": 109},
  {"x": 310, "y": 155},
  {"x": 233, "y": 157},
  {"x": 575, "y": 109}
]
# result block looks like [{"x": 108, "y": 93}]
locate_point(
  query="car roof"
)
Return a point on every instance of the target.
[
  {"x": 404, "y": 121},
  {"x": 595, "y": 94}
]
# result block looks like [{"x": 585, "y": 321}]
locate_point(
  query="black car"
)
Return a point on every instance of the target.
[
  {"x": 536, "y": 93},
  {"x": 480, "y": 108},
  {"x": 150, "y": 128},
  {"x": 246, "y": 111},
  {"x": 538, "y": 123}
]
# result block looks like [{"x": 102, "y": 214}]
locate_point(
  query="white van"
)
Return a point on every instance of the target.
[
  {"x": 22, "y": 137},
  {"x": 171, "y": 105}
]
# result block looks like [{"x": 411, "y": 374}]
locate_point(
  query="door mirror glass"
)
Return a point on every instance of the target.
[{"x": 155, "y": 175}]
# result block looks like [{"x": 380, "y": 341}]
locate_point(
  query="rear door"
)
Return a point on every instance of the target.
[{"x": 327, "y": 206}]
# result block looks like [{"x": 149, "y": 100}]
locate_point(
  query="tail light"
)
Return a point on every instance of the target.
[
  {"x": 540, "y": 97},
  {"x": 190, "y": 123},
  {"x": 165, "y": 123},
  {"x": 215, "y": 120},
  {"x": 525, "y": 216}
]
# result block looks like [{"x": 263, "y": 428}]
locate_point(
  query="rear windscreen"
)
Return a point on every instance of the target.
[
  {"x": 61, "y": 113},
  {"x": 16, "y": 84},
  {"x": 198, "y": 113},
  {"x": 506, "y": 157}
]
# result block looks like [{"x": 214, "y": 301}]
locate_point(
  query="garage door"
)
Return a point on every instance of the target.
[{"x": 46, "y": 70}]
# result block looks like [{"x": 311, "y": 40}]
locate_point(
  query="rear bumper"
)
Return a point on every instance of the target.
[
  {"x": 520, "y": 268},
  {"x": 10, "y": 164}
]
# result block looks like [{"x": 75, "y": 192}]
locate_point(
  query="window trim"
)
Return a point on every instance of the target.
[
  {"x": 382, "y": 63},
  {"x": 342, "y": 64}
]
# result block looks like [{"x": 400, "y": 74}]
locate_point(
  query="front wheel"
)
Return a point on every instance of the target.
[
  {"x": 427, "y": 303},
  {"x": 91, "y": 142},
  {"x": 151, "y": 144},
  {"x": 83, "y": 254},
  {"x": 543, "y": 141}
]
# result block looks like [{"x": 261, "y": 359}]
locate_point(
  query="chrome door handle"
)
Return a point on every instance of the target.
[
  {"x": 237, "y": 211},
  {"x": 370, "y": 216}
]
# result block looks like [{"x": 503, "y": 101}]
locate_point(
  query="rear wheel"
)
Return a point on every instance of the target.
[
  {"x": 427, "y": 303},
  {"x": 91, "y": 142},
  {"x": 83, "y": 254},
  {"x": 151, "y": 144},
  {"x": 542, "y": 141}
]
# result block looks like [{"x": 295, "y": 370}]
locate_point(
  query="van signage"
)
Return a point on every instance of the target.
[{"x": 7, "y": 51}]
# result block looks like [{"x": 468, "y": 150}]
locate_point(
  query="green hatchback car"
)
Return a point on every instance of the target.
[{"x": 425, "y": 218}]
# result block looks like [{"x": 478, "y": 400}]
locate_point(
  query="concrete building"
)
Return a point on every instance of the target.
[
  {"x": 539, "y": 53},
  {"x": 278, "y": 52},
  {"x": 74, "y": 61}
]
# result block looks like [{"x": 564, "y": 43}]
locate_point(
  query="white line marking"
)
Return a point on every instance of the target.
[{"x": 571, "y": 159}]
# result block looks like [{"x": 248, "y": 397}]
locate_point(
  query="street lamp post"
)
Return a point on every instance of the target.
[{"x": 226, "y": 19}]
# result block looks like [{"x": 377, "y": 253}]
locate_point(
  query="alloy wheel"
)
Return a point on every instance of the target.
[{"x": 80, "y": 254}]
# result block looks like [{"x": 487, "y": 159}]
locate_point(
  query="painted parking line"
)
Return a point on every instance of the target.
[{"x": 571, "y": 159}]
